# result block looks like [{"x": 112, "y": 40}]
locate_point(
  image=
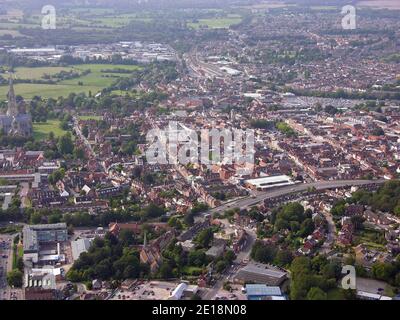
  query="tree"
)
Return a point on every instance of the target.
[
  {"x": 262, "y": 252},
  {"x": 331, "y": 270},
  {"x": 79, "y": 153},
  {"x": 153, "y": 211},
  {"x": 316, "y": 294},
  {"x": 197, "y": 258},
  {"x": 127, "y": 237},
  {"x": 166, "y": 271},
  {"x": 220, "y": 266},
  {"x": 204, "y": 238},
  {"x": 65, "y": 144},
  {"x": 14, "y": 278},
  {"x": 383, "y": 271},
  {"x": 189, "y": 219},
  {"x": 283, "y": 258}
]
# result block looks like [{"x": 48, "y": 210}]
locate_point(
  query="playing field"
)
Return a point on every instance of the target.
[
  {"x": 99, "y": 78},
  {"x": 41, "y": 130}
]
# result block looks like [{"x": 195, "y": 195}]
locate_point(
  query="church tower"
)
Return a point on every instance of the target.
[{"x": 12, "y": 101}]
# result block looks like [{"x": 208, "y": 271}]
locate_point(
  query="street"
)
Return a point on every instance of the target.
[
  {"x": 6, "y": 253},
  {"x": 231, "y": 271},
  {"x": 265, "y": 195}
]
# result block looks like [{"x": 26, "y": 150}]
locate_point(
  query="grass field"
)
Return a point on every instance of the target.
[
  {"x": 37, "y": 73},
  {"x": 41, "y": 130},
  {"x": 90, "y": 117},
  {"x": 18, "y": 252},
  {"x": 92, "y": 82},
  {"x": 216, "y": 23}
]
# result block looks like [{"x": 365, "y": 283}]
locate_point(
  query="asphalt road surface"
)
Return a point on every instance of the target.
[{"x": 264, "y": 195}]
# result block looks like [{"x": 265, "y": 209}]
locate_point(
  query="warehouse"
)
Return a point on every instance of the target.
[
  {"x": 260, "y": 273},
  {"x": 264, "y": 183}
]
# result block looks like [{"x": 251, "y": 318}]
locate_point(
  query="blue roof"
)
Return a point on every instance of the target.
[{"x": 262, "y": 290}]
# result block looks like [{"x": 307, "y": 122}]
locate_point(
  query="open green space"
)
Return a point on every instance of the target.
[
  {"x": 101, "y": 76},
  {"x": 90, "y": 117},
  {"x": 41, "y": 130},
  {"x": 18, "y": 252},
  {"x": 216, "y": 23}
]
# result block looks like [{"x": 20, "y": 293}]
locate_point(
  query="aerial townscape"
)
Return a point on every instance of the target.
[{"x": 199, "y": 150}]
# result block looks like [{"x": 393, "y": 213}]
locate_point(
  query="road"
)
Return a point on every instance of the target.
[
  {"x": 86, "y": 142},
  {"x": 6, "y": 254},
  {"x": 231, "y": 271},
  {"x": 283, "y": 191},
  {"x": 331, "y": 236}
]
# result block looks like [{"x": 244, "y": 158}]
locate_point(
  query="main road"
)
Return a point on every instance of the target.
[{"x": 247, "y": 202}]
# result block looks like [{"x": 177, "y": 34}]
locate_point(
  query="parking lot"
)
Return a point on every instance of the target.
[{"x": 153, "y": 290}]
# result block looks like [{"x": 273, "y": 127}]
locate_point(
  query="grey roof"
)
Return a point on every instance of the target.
[
  {"x": 260, "y": 273},
  {"x": 30, "y": 239},
  {"x": 61, "y": 225},
  {"x": 262, "y": 269},
  {"x": 79, "y": 246},
  {"x": 30, "y": 236},
  {"x": 262, "y": 290}
]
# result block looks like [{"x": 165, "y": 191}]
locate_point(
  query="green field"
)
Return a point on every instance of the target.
[
  {"x": 216, "y": 23},
  {"x": 37, "y": 73},
  {"x": 90, "y": 117},
  {"x": 92, "y": 82},
  {"x": 41, "y": 130}
]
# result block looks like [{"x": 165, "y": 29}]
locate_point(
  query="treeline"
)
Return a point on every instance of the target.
[{"x": 385, "y": 199}]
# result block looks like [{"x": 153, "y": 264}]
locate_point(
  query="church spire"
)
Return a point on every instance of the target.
[{"x": 12, "y": 101}]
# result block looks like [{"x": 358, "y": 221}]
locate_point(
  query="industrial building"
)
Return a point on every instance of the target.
[
  {"x": 264, "y": 183},
  {"x": 260, "y": 273},
  {"x": 263, "y": 292},
  {"x": 43, "y": 234}
]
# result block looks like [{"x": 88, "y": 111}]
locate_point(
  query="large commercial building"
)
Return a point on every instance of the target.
[
  {"x": 262, "y": 274},
  {"x": 35, "y": 235},
  {"x": 264, "y": 183},
  {"x": 263, "y": 292}
]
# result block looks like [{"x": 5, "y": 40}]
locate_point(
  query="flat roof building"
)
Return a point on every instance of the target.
[
  {"x": 260, "y": 273},
  {"x": 263, "y": 183},
  {"x": 34, "y": 235},
  {"x": 263, "y": 292}
]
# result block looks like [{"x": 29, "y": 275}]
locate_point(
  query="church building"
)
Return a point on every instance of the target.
[{"x": 17, "y": 122}]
